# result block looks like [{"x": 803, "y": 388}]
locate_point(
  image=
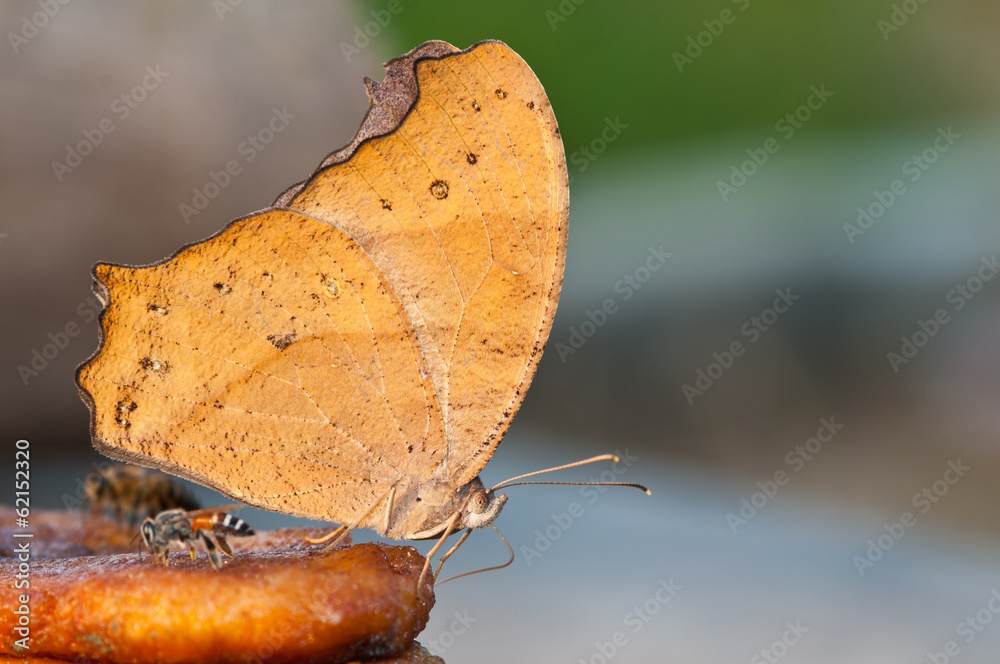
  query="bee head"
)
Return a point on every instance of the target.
[{"x": 147, "y": 531}]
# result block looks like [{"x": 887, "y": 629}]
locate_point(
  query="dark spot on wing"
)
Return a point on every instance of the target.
[
  {"x": 439, "y": 189},
  {"x": 155, "y": 365},
  {"x": 123, "y": 409},
  {"x": 281, "y": 342}
]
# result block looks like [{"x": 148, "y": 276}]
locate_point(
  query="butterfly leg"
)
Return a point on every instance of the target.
[
  {"x": 388, "y": 508},
  {"x": 452, "y": 550},
  {"x": 327, "y": 537},
  {"x": 430, "y": 554},
  {"x": 340, "y": 533}
]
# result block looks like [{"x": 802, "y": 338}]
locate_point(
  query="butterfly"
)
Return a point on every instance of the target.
[{"x": 356, "y": 351}]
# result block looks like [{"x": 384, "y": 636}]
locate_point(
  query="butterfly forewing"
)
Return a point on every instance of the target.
[{"x": 465, "y": 206}]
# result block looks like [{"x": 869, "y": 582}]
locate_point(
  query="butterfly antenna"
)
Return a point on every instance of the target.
[
  {"x": 601, "y": 457},
  {"x": 485, "y": 569},
  {"x": 631, "y": 484}
]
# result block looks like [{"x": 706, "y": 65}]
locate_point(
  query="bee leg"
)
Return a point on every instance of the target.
[
  {"x": 216, "y": 560},
  {"x": 194, "y": 551},
  {"x": 224, "y": 545},
  {"x": 213, "y": 550}
]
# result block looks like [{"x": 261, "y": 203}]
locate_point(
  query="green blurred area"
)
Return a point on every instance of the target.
[{"x": 602, "y": 60}]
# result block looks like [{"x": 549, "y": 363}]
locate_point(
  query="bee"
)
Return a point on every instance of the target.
[
  {"x": 178, "y": 526},
  {"x": 132, "y": 493}
]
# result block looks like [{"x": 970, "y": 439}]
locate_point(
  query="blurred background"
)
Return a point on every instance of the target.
[{"x": 792, "y": 206}]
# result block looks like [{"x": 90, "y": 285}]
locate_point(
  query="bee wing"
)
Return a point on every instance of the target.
[{"x": 207, "y": 511}]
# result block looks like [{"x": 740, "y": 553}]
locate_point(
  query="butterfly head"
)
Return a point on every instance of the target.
[
  {"x": 482, "y": 506},
  {"x": 434, "y": 505}
]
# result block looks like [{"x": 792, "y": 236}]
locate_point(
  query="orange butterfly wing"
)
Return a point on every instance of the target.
[{"x": 382, "y": 319}]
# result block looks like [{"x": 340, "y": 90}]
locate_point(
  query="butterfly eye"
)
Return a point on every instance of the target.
[{"x": 479, "y": 503}]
